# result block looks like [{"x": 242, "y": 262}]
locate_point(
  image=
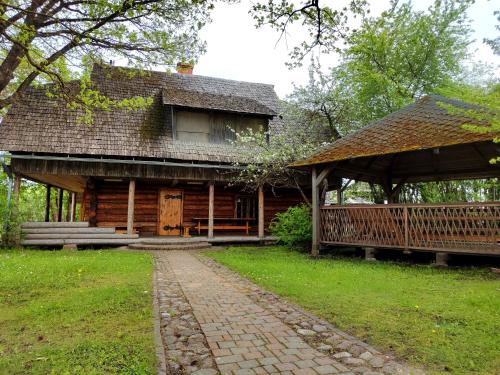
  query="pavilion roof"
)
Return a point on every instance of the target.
[{"x": 425, "y": 124}]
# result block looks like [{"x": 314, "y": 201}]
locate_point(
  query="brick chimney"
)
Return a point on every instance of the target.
[{"x": 184, "y": 68}]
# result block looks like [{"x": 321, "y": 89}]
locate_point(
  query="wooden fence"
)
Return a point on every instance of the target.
[{"x": 461, "y": 228}]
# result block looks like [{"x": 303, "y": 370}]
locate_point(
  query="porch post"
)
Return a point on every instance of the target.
[
  {"x": 211, "y": 210},
  {"x": 47, "y": 204},
  {"x": 315, "y": 214},
  {"x": 60, "y": 204},
  {"x": 261, "y": 212},
  {"x": 68, "y": 207},
  {"x": 17, "y": 189},
  {"x": 73, "y": 207},
  {"x": 130, "y": 207}
]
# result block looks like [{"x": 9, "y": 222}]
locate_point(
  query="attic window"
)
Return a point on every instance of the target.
[{"x": 213, "y": 127}]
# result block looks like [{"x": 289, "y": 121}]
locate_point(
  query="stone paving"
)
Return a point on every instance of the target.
[{"x": 213, "y": 321}]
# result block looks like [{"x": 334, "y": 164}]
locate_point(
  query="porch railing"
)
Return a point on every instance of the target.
[{"x": 468, "y": 228}]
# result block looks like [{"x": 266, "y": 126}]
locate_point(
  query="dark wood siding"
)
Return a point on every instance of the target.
[{"x": 112, "y": 200}]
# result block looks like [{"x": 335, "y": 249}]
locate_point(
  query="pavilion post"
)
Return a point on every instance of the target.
[
  {"x": 211, "y": 195},
  {"x": 339, "y": 196},
  {"x": 130, "y": 207},
  {"x": 47, "y": 204},
  {"x": 261, "y": 212},
  {"x": 60, "y": 197},
  {"x": 315, "y": 214},
  {"x": 72, "y": 210}
]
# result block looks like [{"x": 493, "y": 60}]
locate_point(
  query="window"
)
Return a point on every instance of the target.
[
  {"x": 246, "y": 207},
  {"x": 214, "y": 127}
]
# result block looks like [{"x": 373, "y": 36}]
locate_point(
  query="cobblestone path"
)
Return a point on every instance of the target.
[{"x": 220, "y": 328}]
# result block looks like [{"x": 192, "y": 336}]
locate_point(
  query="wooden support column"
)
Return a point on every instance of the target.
[
  {"x": 60, "y": 196},
  {"x": 68, "y": 207},
  {"x": 92, "y": 202},
  {"x": 72, "y": 211},
  {"x": 130, "y": 207},
  {"x": 15, "y": 193},
  {"x": 315, "y": 214},
  {"x": 261, "y": 212},
  {"x": 339, "y": 196},
  {"x": 47, "y": 204},
  {"x": 211, "y": 195}
]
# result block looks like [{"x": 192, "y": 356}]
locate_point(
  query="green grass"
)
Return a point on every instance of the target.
[
  {"x": 447, "y": 320},
  {"x": 76, "y": 312}
]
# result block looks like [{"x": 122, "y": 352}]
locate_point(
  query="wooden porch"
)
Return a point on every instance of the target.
[
  {"x": 81, "y": 234},
  {"x": 472, "y": 228}
]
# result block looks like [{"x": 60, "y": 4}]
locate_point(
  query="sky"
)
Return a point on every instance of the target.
[{"x": 237, "y": 50}]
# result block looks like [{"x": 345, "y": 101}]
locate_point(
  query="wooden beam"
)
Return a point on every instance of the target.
[
  {"x": 47, "y": 203},
  {"x": 72, "y": 213},
  {"x": 261, "y": 212},
  {"x": 324, "y": 174},
  {"x": 211, "y": 195},
  {"x": 315, "y": 214},
  {"x": 60, "y": 197},
  {"x": 339, "y": 196},
  {"x": 346, "y": 185},
  {"x": 130, "y": 207}
]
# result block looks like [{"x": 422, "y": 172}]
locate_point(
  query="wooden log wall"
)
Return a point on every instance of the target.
[
  {"x": 112, "y": 205},
  {"x": 112, "y": 198}
]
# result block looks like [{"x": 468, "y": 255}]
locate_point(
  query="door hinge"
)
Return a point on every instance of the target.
[
  {"x": 169, "y": 227},
  {"x": 171, "y": 196}
]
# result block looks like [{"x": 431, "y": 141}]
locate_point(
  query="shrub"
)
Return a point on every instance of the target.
[{"x": 293, "y": 227}]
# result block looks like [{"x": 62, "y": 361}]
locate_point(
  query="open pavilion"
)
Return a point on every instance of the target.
[{"x": 420, "y": 143}]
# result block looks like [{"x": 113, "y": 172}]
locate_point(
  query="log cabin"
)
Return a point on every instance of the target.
[{"x": 162, "y": 171}]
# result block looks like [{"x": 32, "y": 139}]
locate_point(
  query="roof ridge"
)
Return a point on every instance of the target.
[{"x": 182, "y": 76}]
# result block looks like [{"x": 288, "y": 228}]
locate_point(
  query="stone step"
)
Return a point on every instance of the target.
[
  {"x": 182, "y": 246},
  {"x": 44, "y": 224},
  {"x": 67, "y": 230},
  {"x": 64, "y": 236},
  {"x": 78, "y": 241},
  {"x": 171, "y": 240}
]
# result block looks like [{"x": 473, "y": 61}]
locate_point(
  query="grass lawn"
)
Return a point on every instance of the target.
[
  {"x": 76, "y": 312},
  {"x": 447, "y": 320}
]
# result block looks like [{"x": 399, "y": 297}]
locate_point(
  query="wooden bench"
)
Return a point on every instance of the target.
[{"x": 225, "y": 223}]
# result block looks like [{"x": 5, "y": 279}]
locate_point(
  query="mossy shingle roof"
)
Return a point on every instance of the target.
[
  {"x": 425, "y": 124},
  {"x": 40, "y": 124}
]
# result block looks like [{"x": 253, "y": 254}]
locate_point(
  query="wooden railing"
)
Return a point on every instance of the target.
[{"x": 467, "y": 228}]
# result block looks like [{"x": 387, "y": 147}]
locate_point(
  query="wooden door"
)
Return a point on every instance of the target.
[{"x": 170, "y": 212}]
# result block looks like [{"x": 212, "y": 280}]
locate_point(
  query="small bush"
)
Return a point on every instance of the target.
[{"x": 293, "y": 227}]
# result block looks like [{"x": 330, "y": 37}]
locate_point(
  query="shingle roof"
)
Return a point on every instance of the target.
[
  {"x": 220, "y": 102},
  {"x": 425, "y": 124},
  {"x": 39, "y": 124}
]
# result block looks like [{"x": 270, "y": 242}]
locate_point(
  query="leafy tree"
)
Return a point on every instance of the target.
[
  {"x": 49, "y": 41},
  {"x": 403, "y": 54},
  {"x": 327, "y": 27},
  {"x": 495, "y": 42},
  {"x": 485, "y": 116},
  {"x": 269, "y": 166},
  {"x": 325, "y": 102}
]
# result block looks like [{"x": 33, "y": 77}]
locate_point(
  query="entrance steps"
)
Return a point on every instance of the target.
[
  {"x": 169, "y": 244},
  {"x": 71, "y": 233}
]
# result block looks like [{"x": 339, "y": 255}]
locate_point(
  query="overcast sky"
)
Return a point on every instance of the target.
[{"x": 237, "y": 50}]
